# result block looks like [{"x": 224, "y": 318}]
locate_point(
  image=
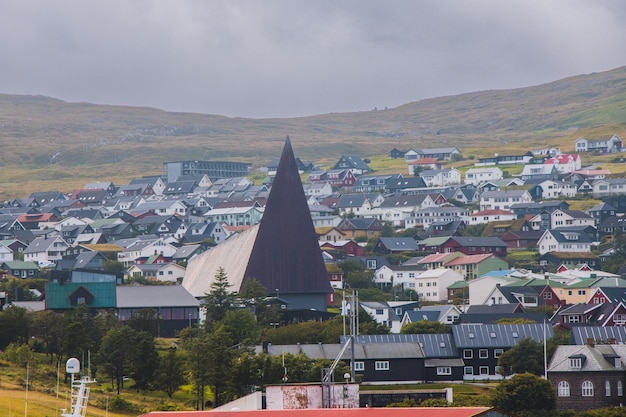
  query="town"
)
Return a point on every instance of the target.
[{"x": 486, "y": 253}]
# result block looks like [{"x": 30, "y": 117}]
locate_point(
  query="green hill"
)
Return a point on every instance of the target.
[{"x": 50, "y": 144}]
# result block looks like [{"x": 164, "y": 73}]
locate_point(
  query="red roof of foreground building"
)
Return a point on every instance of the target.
[{"x": 344, "y": 412}]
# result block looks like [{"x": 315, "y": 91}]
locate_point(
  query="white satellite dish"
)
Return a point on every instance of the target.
[{"x": 72, "y": 366}]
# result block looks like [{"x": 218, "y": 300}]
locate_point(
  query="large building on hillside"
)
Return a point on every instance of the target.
[
  {"x": 212, "y": 169},
  {"x": 282, "y": 252}
]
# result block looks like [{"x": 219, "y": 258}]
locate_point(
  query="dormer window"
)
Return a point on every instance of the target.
[{"x": 576, "y": 363}]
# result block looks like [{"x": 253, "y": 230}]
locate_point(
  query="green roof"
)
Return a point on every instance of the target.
[
  {"x": 434, "y": 241},
  {"x": 458, "y": 284},
  {"x": 58, "y": 296},
  {"x": 21, "y": 265}
]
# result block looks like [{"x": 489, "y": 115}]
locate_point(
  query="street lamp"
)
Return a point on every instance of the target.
[{"x": 347, "y": 377}]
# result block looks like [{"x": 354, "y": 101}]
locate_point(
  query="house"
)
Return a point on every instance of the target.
[
  {"x": 553, "y": 189},
  {"x": 372, "y": 183},
  {"x": 427, "y": 216},
  {"x": 353, "y": 163},
  {"x": 480, "y": 345},
  {"x": 564, "y": 163},
  {"x": 329, "y": 234},
  {"x": 441, "y": 177},
  {"x": 498, "y": 159},
  {"x": 612, "y": 145},
  {"x": 608, "y": 187},
  {"x": 470, "y": 267},
  {"x": 569, "y": 218},
  {"x": 539, "y": 172},
  {"x": 434, "y": 153},
  {"x": 175, "y": 307},
  {"x": 45, "y": 250},
  {"x": 335, "y": 275},
  {"x": 361, "y": 227},
  {"x": 419, "y": 165},
  {"x": 476, "y": 176},
  {"x": 358, "y": 205},
  {"x": 441, "y": 359},
  {"x": 503, "y": 200},
  {"x": 165, "y": 272},
  {"x": 318, "y": 189},
  {"x": 588, "y": 376},
  {"x": 347, "y": 246},
  {"x": 399, "y": 184},
  {"x": 446, "y": 314},
  {"x": 394, "y": 245},
  {"x": 475, "y": 245},
  {"x": 95, "y": 289},
  {"x": 489, "y": 216},
  {"x": 437, "y": 260},
  {"x": 6, "y": 253},
  {"x": 20, "y": 269},
  {"x": 156, "y": 183},
  {"x": 446, "y": 228},
  {"x": 382, "y": 313},
  {"x": 563, "y": 241},
  {"x": 431, "y": 285},
  {"x": 392, "y": 275},
  {"x": 374, "y": 362},
  {"x": 143, "y": 248},
  {"x": 235, "y": 216},
  {"x": 521, "y": 239}
]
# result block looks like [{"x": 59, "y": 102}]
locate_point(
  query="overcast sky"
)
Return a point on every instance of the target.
[{"x": 271, "y": 58}]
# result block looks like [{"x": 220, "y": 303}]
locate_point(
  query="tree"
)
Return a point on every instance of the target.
[
  {"x": 14, "y": 325},
  {"x": 198, "y": 365},
  {"x": 144, "y": 359},
  {"x": 360, "y": 279},
  {"x": 81, "y": 333},
  {"x": 48, "y": 326},
  {"x": 169, "y": 375},
  {"x": 220, "y": 354},
  {"x": 219, "y": 299},
  {"x": 242, "y": 326},
  {"x": 525, "y": 394},
  {"x": 425, "y": 327},
  {"x": 114, "y": 356},
  {"x": 526, "y": 356}
]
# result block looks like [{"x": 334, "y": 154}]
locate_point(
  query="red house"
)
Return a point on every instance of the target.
[{"x": 475, "y": 245}]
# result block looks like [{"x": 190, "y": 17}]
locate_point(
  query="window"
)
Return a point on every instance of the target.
[
  {"x": 468, "y": 354},
  {"x": 444, "y": 370},
  {"x": 497, "y": 353},
  {"x": 379, "y": 311},
  {"x": 620, "y": 389},
  {"x": 359, "y": 366},
  {"x": 587, "y": 389},
  {"x": 371, "y": 264},
  {"x": 483, "y": 353},
  {"x": 575, "y": 363},
  {"x": 484, "y": 370},
  {"x": 607, "y": 388},
  {"x": 381, "y": 365},
  {"x": 468, "y": 370}
]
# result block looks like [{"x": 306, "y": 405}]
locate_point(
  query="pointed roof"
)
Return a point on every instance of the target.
[{"x": 286, "y": 253}]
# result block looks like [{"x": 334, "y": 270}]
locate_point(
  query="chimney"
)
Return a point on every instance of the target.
[{"x": 590, "y": 341}]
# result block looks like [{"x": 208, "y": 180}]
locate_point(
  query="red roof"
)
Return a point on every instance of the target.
[
  {"x": 341, "y": 412},
  {"x": 470, "y": 259}
]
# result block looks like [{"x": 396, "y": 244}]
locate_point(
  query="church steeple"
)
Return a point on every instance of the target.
[{"x": 286, "y": 253}]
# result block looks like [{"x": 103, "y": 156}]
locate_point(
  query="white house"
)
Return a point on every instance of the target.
[
  {"x": 486, "y": 216},
  {"x": 45, "y": 250},
  {"x": 441, "y": 177},
  {"x": 563, "y": 241},
  {"x": 392, "y": 275},
  {"x": 477, "y": 175},
  {"x": 570, "y": 218},
  {"x": 137, "y": 248},
  {"x": 6, "y": 254},
  {"x": 503, "y": 200},
  {"x": 611, "y": 145},
  {"x": 480, "y": 288},
  {"x": 564, "y": 163},
  {"x": 557, "y": 189},
  {"x": 169, "y": 272},
  {"x": 432, "y": 284}
]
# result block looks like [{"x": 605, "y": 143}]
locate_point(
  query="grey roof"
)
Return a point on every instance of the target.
[
  {"x": 437, "y": 345},
  {"x": 498, "y": 335},
  {"x": 154, "y": 296},
  {"x": 399, "y": 243},
  {"x": 434, "y": 363},
  {"x": 580, "y": 334},
  {"x": 595, "y": 358},
  {"x": 361, "y": 351}
]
